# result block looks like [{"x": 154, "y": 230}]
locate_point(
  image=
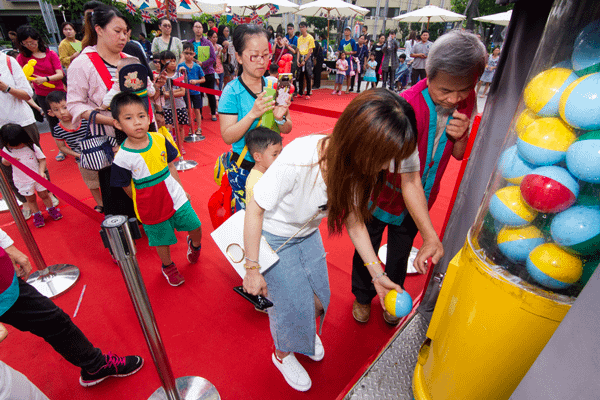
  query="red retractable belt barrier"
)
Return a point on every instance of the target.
[
  {"x": 294, "y": 107},
  {"x": 97, "y": 217}
]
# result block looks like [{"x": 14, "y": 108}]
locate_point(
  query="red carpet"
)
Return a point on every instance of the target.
[{"x": 207, "y": 329}]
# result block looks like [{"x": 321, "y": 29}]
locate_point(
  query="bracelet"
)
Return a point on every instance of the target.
[
  {"x": 282, "y": 122},
  {"x": 373, "y": 263},
  {"x": 7, "y": 89},
  {"x": 47, "y": 79},
  {"x": 251, "y": 260},
  {"x": 250, "y": 267},
  {"x": 378, "y": 276}
]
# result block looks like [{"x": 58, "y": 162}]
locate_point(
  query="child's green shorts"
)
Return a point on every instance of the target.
[{"x": 163, "y": 234}]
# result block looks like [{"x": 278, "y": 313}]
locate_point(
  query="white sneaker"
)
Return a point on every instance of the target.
[
  {"x": 319, "y": 350},
  {"x": 293, "y": 372}
]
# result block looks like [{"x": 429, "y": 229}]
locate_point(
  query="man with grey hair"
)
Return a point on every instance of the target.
[{"x": 444, "y": 104}]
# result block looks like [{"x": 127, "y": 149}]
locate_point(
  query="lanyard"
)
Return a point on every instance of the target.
[{"x": 431, "y": 166}]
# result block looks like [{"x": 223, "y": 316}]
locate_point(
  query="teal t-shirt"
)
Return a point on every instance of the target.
[
  {"x": 10, "y": 295},
  {"x": 238, "y": 99}
]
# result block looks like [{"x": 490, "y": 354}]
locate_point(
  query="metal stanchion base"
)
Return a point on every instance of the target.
[
  {"x": 4, "y": 205},
  {"x": 193, "y": 138},
  {"x": 190, "y": 388},
  {"x": 54, "y": 280},
  {"x": 184, "y": 165}
]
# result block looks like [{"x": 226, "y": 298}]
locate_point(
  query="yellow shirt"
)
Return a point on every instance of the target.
[
  {"x": 305, "y": 44},
  {"x": 253, "y": 177}
]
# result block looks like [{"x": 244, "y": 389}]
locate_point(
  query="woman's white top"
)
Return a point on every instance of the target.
[
  {"x": 292, "y": 189},
  {"x": 13, "y": 110}
]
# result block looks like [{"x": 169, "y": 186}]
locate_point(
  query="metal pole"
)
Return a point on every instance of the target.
[
  {"x": 194, "y": 136},
  {"x": 181, "y": 164},
  {"x": 122, "y": 246},
  {"x": 48, "y": 280},
  {"x": 376, "y": 21}
]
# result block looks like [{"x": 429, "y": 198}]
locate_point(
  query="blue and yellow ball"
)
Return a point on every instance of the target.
[
  {"x": 580, "y": 103},
  {"x": 586, "y": 50},
  {"x": 577, "y": 229},
  {"x": 508, "y": 207},
  {"x": 542, "y": 93},
  {"x": 545, "y": 141},
  {"x": 525, "y": 119},
  {"x": 549, "y": 189},
  {"x": 517, "y": 243},
  {"x": 583, "y": 157},
  {"x": 513, "y": 167},
  {"x": 398, "y": 304},
  {"x": 553, "y": 267}
]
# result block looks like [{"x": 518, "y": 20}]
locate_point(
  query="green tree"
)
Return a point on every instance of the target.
[
  {"x": 319, "y": 23},
  {"x": 75, "y": 8},
  {"x": 476, "y": 8}
]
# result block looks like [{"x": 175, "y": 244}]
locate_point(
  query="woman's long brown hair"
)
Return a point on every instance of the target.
[
  {"x": 89, "y": 33},
  {"x": 376, "y": 127}
]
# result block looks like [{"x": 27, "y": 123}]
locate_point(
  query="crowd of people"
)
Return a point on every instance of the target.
[{"x": 380, "y": 168}]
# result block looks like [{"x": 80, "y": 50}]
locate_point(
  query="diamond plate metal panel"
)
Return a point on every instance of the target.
[{"x": 390, "y": 376}]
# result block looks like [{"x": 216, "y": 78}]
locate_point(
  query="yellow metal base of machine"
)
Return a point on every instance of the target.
[{"x": 485, "y": 333}]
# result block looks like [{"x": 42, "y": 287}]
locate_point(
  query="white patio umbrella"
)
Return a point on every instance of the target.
[
  {"x": 430, "y": 14},
  {"x": 246, "y": 7},
  {"x": 330, "y": 9},
  {"x": 184, "y": 6},
  {"x": 498, "y": 19}
]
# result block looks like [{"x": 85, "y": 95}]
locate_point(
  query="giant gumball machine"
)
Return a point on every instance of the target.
[{"x": 536, "y": 239}]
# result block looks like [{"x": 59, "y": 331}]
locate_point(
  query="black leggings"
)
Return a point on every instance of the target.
[
  {"x": 388, "y": 75},
  {"x": 209, "y": 83}
]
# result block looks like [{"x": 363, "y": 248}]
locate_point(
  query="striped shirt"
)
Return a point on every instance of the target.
[{"x": 72, "y": 137}]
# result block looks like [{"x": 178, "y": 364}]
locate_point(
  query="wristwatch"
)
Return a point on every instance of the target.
[{"x": 283, "y": 121}]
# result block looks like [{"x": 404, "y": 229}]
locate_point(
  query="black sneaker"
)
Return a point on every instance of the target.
[{"x": 114, "y": 366}]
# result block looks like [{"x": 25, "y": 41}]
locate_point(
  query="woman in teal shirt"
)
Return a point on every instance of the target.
[{"x": 244, "y": 105}]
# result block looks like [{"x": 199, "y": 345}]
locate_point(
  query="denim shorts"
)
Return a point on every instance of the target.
[{"x": 339, "y": 78}]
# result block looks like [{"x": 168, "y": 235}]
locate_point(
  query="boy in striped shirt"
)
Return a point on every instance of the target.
[
  {"x": 144, "y": 168},
  {"x": 69, "y": 136}
]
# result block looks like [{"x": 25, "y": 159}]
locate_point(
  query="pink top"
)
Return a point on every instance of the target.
[
  {"x": 342, "y": 66},
  {"x": 85, "y": 88},
  {"x": 218, "y": 65},
  {"x": 46, "y": 66}
]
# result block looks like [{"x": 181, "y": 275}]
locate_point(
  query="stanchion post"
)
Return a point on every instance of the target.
[
  {"x": 48, "y": 280},
  {"x": 117, "y": 235},
  {"x": 181, "y": 164},
  {"x": 194, "y": 135}
]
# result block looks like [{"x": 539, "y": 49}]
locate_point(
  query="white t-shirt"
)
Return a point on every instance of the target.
[
  {"x": 292, "y": 189},
  {"x": 5, "y": 240},
  {"x": 13, "y": 110},
  {"x": 27, "y": 157}
]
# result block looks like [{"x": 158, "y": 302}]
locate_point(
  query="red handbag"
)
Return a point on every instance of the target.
[{"x": 219, "y": 204}]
